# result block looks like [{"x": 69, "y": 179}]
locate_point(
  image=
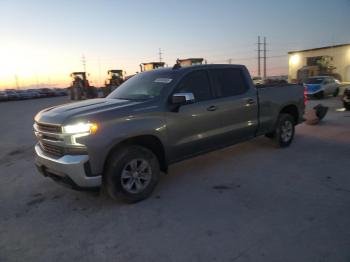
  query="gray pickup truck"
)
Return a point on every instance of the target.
[{"x": 157, "y": 118}]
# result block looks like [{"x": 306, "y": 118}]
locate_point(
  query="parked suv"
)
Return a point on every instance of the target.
[
  {"x": 320, "y": 86},
  {"x": 157, "y": 118}
]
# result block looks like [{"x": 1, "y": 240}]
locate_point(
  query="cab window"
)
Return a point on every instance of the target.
[
  {"x": 228, "y": 82},
  {"x": 196, "y": 82}
]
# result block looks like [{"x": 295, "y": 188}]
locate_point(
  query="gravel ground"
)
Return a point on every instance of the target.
[{"x": 249, "y": 202}]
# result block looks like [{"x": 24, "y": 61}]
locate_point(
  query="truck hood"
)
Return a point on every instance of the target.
[{"x": 63, "y": 113}]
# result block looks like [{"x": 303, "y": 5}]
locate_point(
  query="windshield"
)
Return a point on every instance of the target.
[
  {"x": 314, "y": 80},
  {"x": 143, "y": 86}
]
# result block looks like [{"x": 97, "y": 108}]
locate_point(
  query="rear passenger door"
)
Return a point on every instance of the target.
[{"x": 237, "y": 103}]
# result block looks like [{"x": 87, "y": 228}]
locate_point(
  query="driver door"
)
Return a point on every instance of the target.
[{"x": 195, "y": 127}]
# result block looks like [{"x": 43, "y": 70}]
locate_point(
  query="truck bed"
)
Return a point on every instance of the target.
[{"x": 272, "y": 98}]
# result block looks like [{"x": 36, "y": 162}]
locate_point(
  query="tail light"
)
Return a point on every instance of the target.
[{"x": 305, "y": 95}]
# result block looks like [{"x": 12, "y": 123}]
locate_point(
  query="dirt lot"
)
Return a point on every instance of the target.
[{"x": 249, "y": 202}]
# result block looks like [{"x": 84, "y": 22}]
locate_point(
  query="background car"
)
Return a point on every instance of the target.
[
  {"x": 34, "y": 93},
  {"x": 3, "y": 96},
  {"x": 46, "y": 92},
  {"x": 346, "y": 98},
  {"x": 320, "y": 86},
  {"x": 12, "y": 95},
  {"x": 24, "y": 94},
  {"x": 60, "y": 92}
]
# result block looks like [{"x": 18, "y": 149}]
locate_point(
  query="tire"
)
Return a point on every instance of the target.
[
  {"x": 347, "y": 106},
  {"x": 336, "y": 92},
  {"x": 284, "y": 132},
  {"x": 320, "y": 95},
  {"x": 132, "y": 174}
]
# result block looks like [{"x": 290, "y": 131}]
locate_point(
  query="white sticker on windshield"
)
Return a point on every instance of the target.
[{"x": 163, "y": 80}]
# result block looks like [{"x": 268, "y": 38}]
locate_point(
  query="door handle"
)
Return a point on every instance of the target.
[
  {"x": 212, "y": 108},
  {"x": 250, "y": 101}
]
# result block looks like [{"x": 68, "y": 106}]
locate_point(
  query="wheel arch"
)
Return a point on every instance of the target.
[
  {"x": 150, "y": 142},
  {"x": 291, "y": 110}
]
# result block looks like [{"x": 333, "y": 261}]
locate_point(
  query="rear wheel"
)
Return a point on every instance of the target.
[
  {"x": 132, "y": 174},
  {"x": 320, "y": 95},
  {"x": 284, "y": 132}
]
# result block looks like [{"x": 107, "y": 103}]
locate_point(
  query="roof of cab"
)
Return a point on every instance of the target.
[{"x": 190, "y": 68}]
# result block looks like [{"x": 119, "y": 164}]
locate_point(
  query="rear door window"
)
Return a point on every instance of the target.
[
  {"x": 228, "y": 82},
  {"x": 196, "y": 82},
  {"x": 315, "y": 81}
]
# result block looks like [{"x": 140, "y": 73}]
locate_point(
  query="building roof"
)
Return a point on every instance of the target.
[
  {"x": 319, "y": 48},
  {"x": 190, "y": 59}
]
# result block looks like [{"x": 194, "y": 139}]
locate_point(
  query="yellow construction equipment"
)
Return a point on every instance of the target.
[
  {"x": 80, "y": 88},
  {"x": 151, "y": 65}
]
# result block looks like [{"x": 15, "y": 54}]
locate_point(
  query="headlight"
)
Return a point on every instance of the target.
[{"x": 81, "y": 128}]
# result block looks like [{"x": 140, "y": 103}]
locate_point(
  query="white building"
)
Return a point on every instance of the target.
[{"x": 305, "y": 63}]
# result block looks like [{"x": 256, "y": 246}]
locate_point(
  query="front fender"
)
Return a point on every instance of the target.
[{"x": 115, "y": 131}]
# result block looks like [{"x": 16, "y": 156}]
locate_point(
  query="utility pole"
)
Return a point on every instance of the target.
[
  {"x": 259, "y": 70},
  {"x": 99, "y": 71},
  {"x": 160, "y": 55},
  {"x": 83, "y": 61},
  {"x": 37, "y": 80},
  {"x": 264, "y": 57},
  {"x": 230, "y": 61},
  {"x": 17, "y": 82}
]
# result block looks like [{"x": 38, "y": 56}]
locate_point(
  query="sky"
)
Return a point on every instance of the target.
[{"x": 43, "y": 41}]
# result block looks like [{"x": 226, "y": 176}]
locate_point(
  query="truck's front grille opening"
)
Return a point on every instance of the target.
[
  {"x": 52, "y": 150},
  {"x": 49, "y": 128}
]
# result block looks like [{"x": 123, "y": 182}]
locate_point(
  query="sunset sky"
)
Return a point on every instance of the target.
[{"x": 42, "y": 42}]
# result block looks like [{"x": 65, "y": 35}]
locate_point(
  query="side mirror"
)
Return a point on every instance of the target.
[{"x": 182, "y": 98}]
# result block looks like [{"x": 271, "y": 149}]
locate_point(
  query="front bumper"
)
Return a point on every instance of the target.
[{"x": 68, "y": 169}]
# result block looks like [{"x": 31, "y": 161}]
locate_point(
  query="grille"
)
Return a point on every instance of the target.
[
  {"x": 52, "y": 150},
  {"x": 49, "y": 128}
]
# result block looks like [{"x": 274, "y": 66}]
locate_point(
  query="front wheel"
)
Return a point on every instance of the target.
[
  {"x": 132, "y": 174},
  {"x": 284, "y": 132}
]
